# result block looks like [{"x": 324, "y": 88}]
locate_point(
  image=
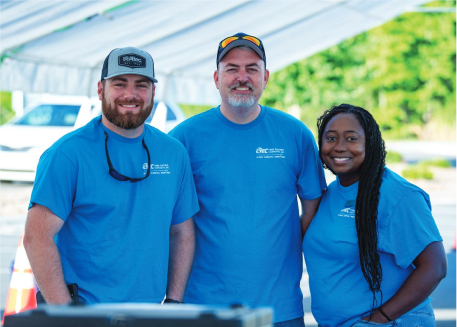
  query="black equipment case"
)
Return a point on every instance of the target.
[{"x": 141, "y": 315}]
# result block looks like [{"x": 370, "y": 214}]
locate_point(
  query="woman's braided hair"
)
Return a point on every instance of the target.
[{"x": 366, "y": 209}]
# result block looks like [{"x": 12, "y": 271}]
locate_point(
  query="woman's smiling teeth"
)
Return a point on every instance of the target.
[{"x": 341, "y": 159}]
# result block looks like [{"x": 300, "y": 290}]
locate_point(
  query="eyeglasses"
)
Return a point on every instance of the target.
[
  {"x": 230, "y": 39},
  {"x": 118, "y": 175}
]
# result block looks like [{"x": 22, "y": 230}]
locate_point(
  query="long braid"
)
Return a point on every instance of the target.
[{"x": 366, "y": 210}]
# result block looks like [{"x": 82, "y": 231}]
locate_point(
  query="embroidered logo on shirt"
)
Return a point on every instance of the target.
[
  {"x": 269, "y": 153},
  {"x": 159, "y": 169},
  {"x": 348, "y": 211}
]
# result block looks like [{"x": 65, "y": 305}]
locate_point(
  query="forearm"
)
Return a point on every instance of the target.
[
  {"x": 419, "y": 284},
  {"x": 309, "y": 209},
  {"x": 416, "y": 288},
  {"x": 182, "y": 249},
  {"x": 305, "y": 221},
  {"x": 41, "y": 227},
  {"x": 47, "y": 269}
]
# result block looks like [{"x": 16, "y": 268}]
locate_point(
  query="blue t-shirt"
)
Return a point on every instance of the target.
[
  {"x": 339, "y": 293},
  {"x": 115, "y": 238},
  {"x": 248, "y": 236}
]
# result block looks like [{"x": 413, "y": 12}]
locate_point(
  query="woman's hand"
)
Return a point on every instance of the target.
[
  {"x": 431, "y": 268},
  {"x": 377, "y": 317}
]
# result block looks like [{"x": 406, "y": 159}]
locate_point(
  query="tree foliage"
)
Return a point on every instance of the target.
[
  {"x": 403, "y": 72},
  {"x": 6, "y": 112}
]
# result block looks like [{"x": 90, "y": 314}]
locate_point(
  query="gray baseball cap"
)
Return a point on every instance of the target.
[{"x": 128, "y": 60}]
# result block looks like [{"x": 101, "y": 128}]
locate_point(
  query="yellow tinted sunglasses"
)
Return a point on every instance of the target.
[{"x": 230, "y": 39}]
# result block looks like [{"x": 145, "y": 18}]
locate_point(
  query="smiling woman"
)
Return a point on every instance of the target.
[
  {"x": 343, "y": 148},
  {"x": 373, "y": 241}
]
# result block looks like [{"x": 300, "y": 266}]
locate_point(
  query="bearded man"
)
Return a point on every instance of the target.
[
  {"x": 112, "y": 204},
  {"x": 249, "y": 163}
]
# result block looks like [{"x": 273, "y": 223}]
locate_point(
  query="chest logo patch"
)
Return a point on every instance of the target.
[
  {"x": 269, "y": 153},
  {"x": 160, "y": 169},
  {"x": 347, "y": 212}
]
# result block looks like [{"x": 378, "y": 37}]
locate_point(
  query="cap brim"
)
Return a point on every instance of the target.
[{"x": 131, "y": 73}]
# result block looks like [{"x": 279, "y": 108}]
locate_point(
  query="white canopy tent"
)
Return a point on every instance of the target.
[{"x": 59, "y": 46}]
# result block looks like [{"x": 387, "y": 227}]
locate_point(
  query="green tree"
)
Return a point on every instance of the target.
[{"x": 402, "y": 71}]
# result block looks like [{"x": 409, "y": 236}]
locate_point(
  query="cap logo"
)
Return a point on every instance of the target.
[{"x": 132, "y": 61}]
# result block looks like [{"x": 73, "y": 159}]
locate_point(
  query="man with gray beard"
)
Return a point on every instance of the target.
[
  {"x": 249, "y": 164},
  {"x": 111, "y": 207}
]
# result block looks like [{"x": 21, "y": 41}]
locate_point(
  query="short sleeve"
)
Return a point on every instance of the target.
[
  {"x": 186, "y": 203},
  {"x": 55, "y": 183},
  {"x": 410, "y": 229},
  {"x": 311, "y": 180}
]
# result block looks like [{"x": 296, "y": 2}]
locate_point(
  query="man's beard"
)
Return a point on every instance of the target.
[
  {"x": 128, "y": 120},
  {"x": 241, "y": 100}
]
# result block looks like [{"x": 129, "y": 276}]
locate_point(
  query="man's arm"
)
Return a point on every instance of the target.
[
  {"x": 40, "y": 228},
  {"x": 182, "y": 249},
  {"x": 309, "y": 209}
]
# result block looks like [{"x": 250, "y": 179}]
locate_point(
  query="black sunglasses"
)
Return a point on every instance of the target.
[{"x": 119, "y": 176}]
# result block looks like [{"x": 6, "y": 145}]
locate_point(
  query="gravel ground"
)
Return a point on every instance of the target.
[{"x": 14, "y": 198}]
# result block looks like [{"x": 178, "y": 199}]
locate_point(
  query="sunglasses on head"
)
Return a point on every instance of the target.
[
  {"x": 225, "y": 42},
  {"x": 116, "y": 175}
]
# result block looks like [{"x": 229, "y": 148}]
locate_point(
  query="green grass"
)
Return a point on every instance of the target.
[
  {"x": 421, "y": 170},
  {"x": 417, "y": 171},
  {"x": 393, "y": 157},
  {"x": 440, "y": 163}
]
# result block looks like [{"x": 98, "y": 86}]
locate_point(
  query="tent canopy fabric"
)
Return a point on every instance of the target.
[{"x": 59, "y": 46}]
